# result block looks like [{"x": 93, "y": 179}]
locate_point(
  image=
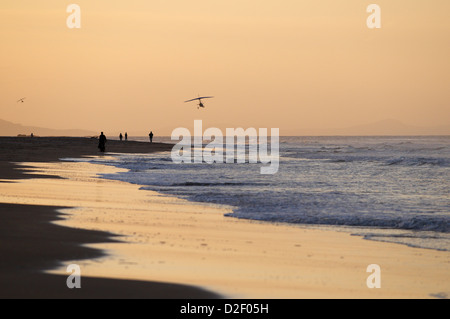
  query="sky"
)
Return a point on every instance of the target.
[{"x": 288, "y": 64}]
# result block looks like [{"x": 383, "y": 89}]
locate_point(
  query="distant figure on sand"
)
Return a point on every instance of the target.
[
  {"x": 151, "y": 137},
  {"x": 102, "y": 142},
  {"x": 126, "y": 136},
  {"x": 120, "y": 136}
]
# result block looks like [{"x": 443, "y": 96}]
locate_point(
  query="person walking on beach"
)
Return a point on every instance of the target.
[
  {"x": 151, "y": 136},
  {"x": 120, "y": 136},
  {"x": 102, "y": 142},
  {"x": 126, "y": 136}
]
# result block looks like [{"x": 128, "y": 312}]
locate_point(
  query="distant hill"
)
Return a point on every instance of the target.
[
  {"x": 13, "y": 129},
  {"x": 385, "y": 127},
  {"x": 393, "y": 127}
]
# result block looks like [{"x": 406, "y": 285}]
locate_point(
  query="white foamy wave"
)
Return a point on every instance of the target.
[{"x": 400, "y": 183}]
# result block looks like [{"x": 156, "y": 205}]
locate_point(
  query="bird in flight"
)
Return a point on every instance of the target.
[{"x": 21, "y": 100}]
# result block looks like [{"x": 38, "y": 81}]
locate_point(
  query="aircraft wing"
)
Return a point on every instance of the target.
[{"x": 198, "y": 98}]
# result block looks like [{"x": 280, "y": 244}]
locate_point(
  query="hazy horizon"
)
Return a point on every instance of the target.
[
  {"x": 293, "y": 65},
  {"x": 380, "y": 128}
]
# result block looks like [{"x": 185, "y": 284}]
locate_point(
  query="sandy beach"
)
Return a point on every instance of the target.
[
  {"x": 132, "y": 243},
  {"x": 31, "y": 243}
]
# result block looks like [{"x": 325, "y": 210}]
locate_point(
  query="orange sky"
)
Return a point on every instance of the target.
[{"x": 289, "y": 64}]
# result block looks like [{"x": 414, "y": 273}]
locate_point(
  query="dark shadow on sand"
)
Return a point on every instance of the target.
[{"x": 30, "y": 243}]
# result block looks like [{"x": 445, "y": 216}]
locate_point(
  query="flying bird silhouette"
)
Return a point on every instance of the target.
[{"x": 21, "y": 100}]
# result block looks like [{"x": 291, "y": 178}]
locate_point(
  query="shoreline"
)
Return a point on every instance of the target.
[
  {"x": 32, "y": 242},
  {"x": 239, "y": 258}
]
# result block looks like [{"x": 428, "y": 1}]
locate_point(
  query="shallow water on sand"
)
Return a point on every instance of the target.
[{"x": 393, "y": 189}]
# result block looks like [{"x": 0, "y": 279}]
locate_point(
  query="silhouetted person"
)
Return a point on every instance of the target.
[
  {"x": 102, "y": 142},
  {"x": 126, "y": 136},
  {"x": 120, "y": 136},
  {"x": 151, "y": 137},
  {"x": 32, "y": 135}
]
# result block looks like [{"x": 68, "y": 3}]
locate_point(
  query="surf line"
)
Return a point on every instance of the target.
[{"x": 235, "y": 148}]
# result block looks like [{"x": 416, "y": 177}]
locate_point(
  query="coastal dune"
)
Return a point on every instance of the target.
[{"x": 128, "y": 235}]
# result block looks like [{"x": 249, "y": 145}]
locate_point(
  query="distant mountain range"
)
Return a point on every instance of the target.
[
  {"x": 386, "y": 127},
  {"x": 13, "y": 129},
  {"x": 394, "y": 127}
]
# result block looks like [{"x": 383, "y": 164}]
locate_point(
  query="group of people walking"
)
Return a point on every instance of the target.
[
  {"x": 102, "y": 140},
  {"x": 121, "y": 136}
]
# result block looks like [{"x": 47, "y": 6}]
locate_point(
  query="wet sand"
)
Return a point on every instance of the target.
[
  {"x": 164, "y": 239},
  {"x": 32, "y": 243},
  {"x": 47, "y": 149}
]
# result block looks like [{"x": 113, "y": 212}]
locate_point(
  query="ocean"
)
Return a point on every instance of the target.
[{"x": 393, "y": 189}]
